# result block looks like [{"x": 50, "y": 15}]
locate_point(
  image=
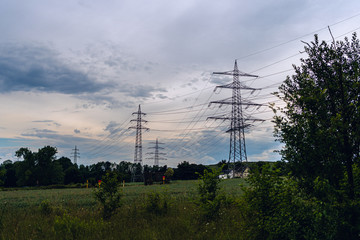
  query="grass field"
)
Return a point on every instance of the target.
[{"x": 74, "y": 214}]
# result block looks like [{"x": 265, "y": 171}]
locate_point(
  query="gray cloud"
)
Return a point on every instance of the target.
[
  {"x": 220, "y": 80},
  {"x": 34, "y": 67},
  {"x": 77, "y": 131},
  {"x": 109, "y": 102},
  {"x": 49, "y": 122},
  {"x": 113, "y": 128},
  {"x": 40, "y": 133},
  {"x": 143, "y": 91}
]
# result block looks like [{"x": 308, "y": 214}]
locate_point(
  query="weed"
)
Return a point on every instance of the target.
[{"x": 69, "y": 227}]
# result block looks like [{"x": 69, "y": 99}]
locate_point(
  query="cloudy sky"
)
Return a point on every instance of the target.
[{"x": 73, "y": 72}]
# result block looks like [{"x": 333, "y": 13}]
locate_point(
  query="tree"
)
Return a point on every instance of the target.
[
  {"x": 25, "y": 169},
  {"x": 38, "y": 168},
  {"x": 320, "y": 124},
  {"x": 168, "y": 174},
  {"x": 187, "y": 171}
]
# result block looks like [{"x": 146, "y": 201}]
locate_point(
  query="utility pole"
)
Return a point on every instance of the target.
[
  {"x": 76, "y": 154},
  {"x": 237, "y": 120},
  {"x": 138, "y": 140},
  {"x": 156, "y": 153}
]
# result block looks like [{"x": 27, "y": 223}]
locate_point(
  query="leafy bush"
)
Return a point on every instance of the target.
[
  {"x": 157, "y": 203},
  {"x": 210, "y": 200},
  {"x": 109, "y": 194},
  {"x": 45, "y": 207},
  {"x": 276, "y": 207}
]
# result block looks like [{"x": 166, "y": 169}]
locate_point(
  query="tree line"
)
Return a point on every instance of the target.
[{"x": 42, "y": 168}]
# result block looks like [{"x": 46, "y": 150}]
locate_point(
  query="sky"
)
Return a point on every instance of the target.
[{"x": 72, "y": 73}]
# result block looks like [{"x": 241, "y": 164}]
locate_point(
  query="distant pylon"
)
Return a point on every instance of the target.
[
  {"x": 237, "y": 120},
  {"x": 156, "y": 154},
  {"x": 75, "y": 154},
  {"x": 138, "y": 140}
]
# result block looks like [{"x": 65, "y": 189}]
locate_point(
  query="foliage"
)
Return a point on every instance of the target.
[
  {"x": 210, "y": 200},
  {"x": 168, "y": 174},
  {"x": 153, "y": 174},
  {"x": 187, "y": 171},
  {"x": 68, "y": 227},
  {"x": 38, "y": 168},
  {"x": 109, "y": 194},
  {"x": 45, "y": 207},
  {"x": 275, "y": 207},
  {"x": 320, "y": 124},
  {"x": 157, "y": 203},
  {"x": 43, "y": 169}
]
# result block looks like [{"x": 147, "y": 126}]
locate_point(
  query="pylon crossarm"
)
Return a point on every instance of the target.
[
  {"x": 144, "y": 128},
  {"x": 238, "y": 128},
  {"x": 220, "y": 118},
  {"x": 237, "y": 103},
  {"x": 235, "y": 86},
  {"x": 138, "y": 120},
  {"x": 235, "y": 73}
]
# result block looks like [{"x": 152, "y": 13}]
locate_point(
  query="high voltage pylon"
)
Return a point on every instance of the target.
[
  {"x": 138, "y": 141},
  {"x": 237, "y": 120},
  {"x": 75, "y": 154},
  {"x": 156, "y": 154}
]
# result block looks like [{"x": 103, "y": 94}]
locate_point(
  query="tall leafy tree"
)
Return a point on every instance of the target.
[
  {"x": 320, "y": 123},
  {"x": 38, "y": 168}
]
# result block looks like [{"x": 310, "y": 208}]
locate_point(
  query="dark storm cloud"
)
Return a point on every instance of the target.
[{"x": 34, "y": 67}]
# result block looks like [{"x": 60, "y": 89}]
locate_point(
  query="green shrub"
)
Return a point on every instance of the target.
[
  {"x": 210, "y": 200},
  {"x": 46, "y": 208},
  {"x": 109, "y": 194},
  {"x": 275, "y": 207},
  {"x": 157, "y": 203}
]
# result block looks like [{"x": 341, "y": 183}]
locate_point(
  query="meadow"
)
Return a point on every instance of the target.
[{"x": 73, "y": 213}]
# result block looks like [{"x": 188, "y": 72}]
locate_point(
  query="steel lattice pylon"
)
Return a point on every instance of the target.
[
  {"x": 138, "y": 140},
  {"x": 237, "y": 151},
  {"x": 156, "y": 154}
]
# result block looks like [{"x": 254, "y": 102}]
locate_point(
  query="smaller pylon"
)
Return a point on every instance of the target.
[
  {"x": 156, "y": 154},
  {"x": 75, "y": 154}
]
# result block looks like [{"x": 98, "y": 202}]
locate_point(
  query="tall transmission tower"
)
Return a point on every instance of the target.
[
  {"x": 138, "y": 140},
  {"x": 237, "y": 120},
  {"x": 156, "y": 154},
  {"x": 75, "y": 154}
]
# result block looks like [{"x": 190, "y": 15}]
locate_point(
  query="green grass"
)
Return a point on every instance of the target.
[{"x": 75, "y": 214}]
